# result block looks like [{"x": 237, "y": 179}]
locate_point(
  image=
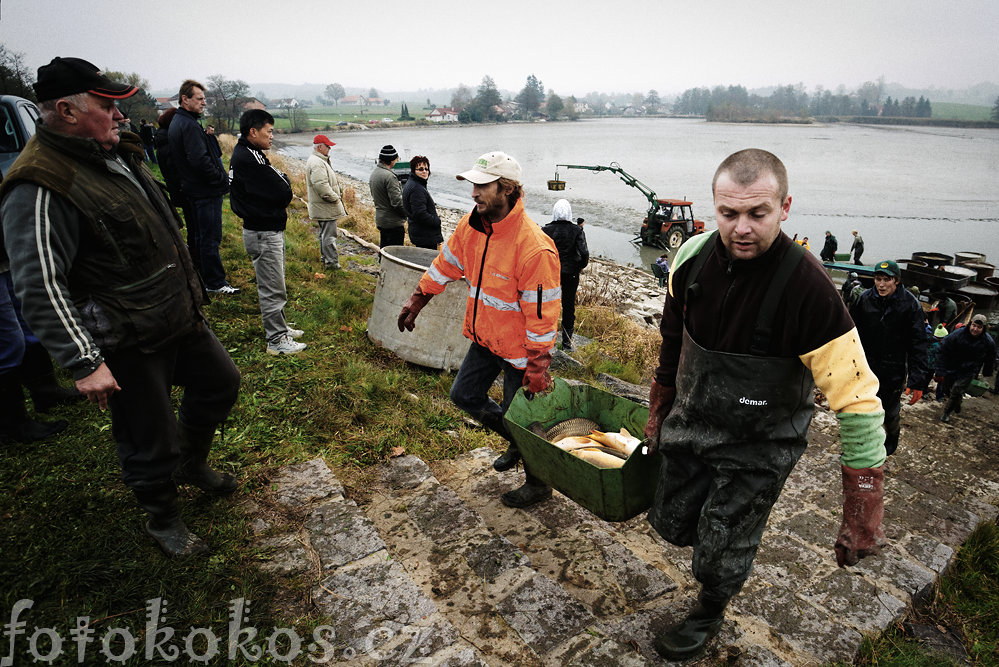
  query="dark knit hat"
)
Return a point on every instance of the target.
[
  {"x": 68, "y": 76},
  {"x": 388, "y": 153}
]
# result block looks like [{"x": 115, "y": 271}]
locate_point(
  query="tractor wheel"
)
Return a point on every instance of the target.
[{"x": 675, "y": 237}]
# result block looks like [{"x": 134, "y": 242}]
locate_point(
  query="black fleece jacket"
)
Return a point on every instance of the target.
[{"x": 260, "y": 193}]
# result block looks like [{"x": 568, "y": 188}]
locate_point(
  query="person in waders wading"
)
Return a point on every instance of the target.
[
  {"x": 512, "y": 311},
  {"x": 732, "y": 398}
]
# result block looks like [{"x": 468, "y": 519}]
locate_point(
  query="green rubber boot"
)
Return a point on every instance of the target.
[{"x": 687, "y": 639}]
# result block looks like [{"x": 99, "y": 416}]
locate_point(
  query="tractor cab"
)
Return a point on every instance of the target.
[{"x": 669, "y": 223}]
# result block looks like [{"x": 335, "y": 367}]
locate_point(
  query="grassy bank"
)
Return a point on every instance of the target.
[{"x": 71, "y": 537}]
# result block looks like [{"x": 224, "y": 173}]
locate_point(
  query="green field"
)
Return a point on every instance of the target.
[
  {"x": 320, "y": 118},
  {"x": 953, "y": 111}
]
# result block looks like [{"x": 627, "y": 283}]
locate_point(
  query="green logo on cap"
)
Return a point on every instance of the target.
[{"x": 482, "y": 162}]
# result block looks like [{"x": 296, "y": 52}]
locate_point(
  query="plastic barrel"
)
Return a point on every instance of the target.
[{"x": 437, "y": 340}]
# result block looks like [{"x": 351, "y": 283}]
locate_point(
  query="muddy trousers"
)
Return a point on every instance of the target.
[
  {"x": 717, "y": 498},
  {"x": 955, "y": 387},
  {"x": 471, "y": 386},
  {"x": 890, "y": 394}
]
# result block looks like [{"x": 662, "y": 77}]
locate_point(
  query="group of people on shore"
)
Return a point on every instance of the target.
[{"x": 115, "y": 293}]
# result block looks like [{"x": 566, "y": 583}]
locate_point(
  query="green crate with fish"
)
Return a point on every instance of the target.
[{"x": 599, "y": 464}]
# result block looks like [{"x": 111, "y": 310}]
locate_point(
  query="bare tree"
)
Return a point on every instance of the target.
[
  {"x": 225, "y": 100},
  {"x": 335, "y": 92},
  {"x": 462, "y": 97},
  {"x": 15, "y": 78},
  {"x": 139, "y": 106}
]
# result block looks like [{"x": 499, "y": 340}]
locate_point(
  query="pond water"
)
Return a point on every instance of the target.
[{"x": 905, "y": 189}]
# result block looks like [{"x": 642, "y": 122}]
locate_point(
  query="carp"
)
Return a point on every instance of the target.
[
  {"x": 622, "y": 441},
  {"x": 599, "y": 457},
  {"x": 569, "y": 428}
]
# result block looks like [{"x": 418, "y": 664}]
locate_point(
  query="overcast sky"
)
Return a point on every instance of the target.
[{"x": 572, "y": 46}]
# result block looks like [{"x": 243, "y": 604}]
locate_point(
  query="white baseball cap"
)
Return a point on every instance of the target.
[{"x": 490, "y": 167}]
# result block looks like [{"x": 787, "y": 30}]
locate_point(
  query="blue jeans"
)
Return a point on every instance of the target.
[
  {"x": 266, "y": 249},
  {"x": 207, "y": 215},
  {"x": 11, "y": 336}
]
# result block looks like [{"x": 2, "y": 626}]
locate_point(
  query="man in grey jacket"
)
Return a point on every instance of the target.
[
  {"x": 325, "y": 204},
  {"x": 108, "y": 287},
  {"x": 390, "y": 214}
]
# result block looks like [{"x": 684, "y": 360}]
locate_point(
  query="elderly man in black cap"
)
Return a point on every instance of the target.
[
  {"x": 892, "y": 328},
  {"x": 386, "y": 191},
  {"x": 108, "y": 286}
]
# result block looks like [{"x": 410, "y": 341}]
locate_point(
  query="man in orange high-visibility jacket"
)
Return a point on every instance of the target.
[{"x": 514, "y": 297}]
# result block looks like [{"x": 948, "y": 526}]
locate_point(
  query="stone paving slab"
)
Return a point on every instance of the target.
[{"x": 434, "y": 568}]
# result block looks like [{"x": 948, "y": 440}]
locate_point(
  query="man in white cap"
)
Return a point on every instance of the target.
[{"x": 512, "y": 311}]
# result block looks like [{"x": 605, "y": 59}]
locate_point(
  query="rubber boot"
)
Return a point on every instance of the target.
[
  {"x": 567, "y": 340},
  {"x": 165, "y": 526},
  {"x": 15, "y": 424},
  {"x": 945, "y": 417},
  {"x": 511, "y": 456},
  {"x": 532, "y": 492},
  {"x": 507, "y": 459},
  {"x": 689, "y": 638},
  {"x": 38, "y": 376},
  {"x": 195, "y": 443}
]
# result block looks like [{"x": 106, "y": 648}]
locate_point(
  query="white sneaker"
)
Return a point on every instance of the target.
[
  {"x": 295, "y": 333},
  {"x": 225, "y": 289},
  {"x": 285, "y": 345}
]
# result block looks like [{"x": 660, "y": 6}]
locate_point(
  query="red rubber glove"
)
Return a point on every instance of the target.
[
  {"x": 417, "y": 300},
  {"x": 863, "y": 510},
  {"x": 660, "y": 403},
  {"x": 916, "y": 395},
  {"x": 536, "y": 376}
]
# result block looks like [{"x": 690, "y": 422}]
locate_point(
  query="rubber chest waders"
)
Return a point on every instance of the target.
[{"x": 735, "y": 432}]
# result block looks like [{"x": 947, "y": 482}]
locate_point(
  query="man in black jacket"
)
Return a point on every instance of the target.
[
  {"x": 892, "y": 329},
  {"x": 829, "y": 248},
  {"x": 573, "y": 256},
  {"x": 203, "y": 181},
  {"x": 260, "y": 195}
]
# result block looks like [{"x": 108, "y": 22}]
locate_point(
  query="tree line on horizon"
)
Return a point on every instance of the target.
[{"x": 227, "y": 97}]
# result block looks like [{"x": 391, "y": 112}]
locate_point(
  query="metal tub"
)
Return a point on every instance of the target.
[{"x": 437, "y": 341}]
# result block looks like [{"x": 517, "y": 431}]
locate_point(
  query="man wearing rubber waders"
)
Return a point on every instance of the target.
[
  {"x": 512, "y": 270},
  {"x": 750, "y": 322}
]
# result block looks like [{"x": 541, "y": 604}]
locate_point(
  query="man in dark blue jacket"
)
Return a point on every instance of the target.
[
  {"x": 892, "y": 329},
  {"x": 573, "y": 255},
  {"x": 260, "y": 196},
  {"x": 960, "y": 358},
  {"x": 203, "y": 182}
]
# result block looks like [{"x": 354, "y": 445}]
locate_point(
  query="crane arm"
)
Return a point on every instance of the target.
[{"x": 622, "y": 174}]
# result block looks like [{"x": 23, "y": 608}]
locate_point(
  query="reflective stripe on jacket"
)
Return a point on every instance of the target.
[{"x": 514, "y": 296}]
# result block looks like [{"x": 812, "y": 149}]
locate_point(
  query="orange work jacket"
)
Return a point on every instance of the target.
[{"x": 514, "y": 295}]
